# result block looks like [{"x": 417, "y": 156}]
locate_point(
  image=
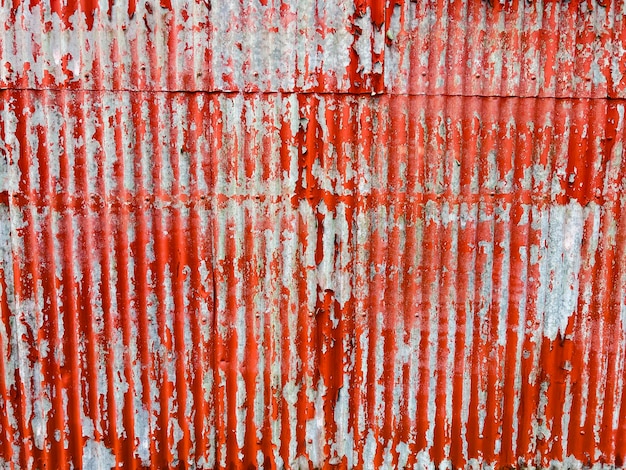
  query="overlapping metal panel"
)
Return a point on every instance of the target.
[
  {"x": 312, "y": 234},
  {"x": 547, "y": 48}
]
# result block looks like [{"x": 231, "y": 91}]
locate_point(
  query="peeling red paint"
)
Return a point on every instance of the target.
[{"x": 314, "y": 234}]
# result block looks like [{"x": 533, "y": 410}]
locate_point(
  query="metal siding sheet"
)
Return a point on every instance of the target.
[
  {"x": 219, "y": 249},
  {"x": 191, "y": 45},
  {"x": 546, "y": 48}
]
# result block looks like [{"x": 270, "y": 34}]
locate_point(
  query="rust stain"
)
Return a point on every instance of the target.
[{"x": 312, "y": 234}]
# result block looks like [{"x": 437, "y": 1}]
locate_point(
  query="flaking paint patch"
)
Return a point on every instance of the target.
[
  {"x": 97, "y": 456},
  {"x": 560, "y": 267}
]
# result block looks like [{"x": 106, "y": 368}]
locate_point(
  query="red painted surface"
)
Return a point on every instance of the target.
[{"x": 311, "y": 235}]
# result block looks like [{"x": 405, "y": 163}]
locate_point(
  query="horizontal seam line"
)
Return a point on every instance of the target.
[{"x": 372, "y": 93}]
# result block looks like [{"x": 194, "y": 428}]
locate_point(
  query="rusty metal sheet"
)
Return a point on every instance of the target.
[
  {"x": 463, "y": 47},
  {"x": 324, "y": 279},
  {"x": 506, "y": 48},
  {"x": 312, "y": 234},
  {"x": 192, "y": 45}
]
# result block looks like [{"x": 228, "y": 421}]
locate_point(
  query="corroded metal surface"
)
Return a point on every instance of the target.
[
  {"x": 312, "y": 234},
  {"x": 489, "y": 48}
]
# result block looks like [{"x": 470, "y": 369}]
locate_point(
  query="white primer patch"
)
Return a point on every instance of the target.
[
  {"x": 96, "y": 456},
  {"x": 560, "y": 262}
]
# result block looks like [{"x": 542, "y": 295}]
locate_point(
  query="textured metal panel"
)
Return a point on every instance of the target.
[
  {"x": 492, "y": 48},
  {"x": 507, "y": 48},
  {"x": 192, "y": 45},
  {"x": 300, "y": 274}
]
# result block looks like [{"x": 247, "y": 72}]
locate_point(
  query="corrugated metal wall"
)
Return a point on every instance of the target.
[{"x": 312, "y": 234}]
